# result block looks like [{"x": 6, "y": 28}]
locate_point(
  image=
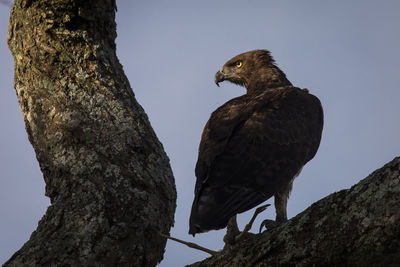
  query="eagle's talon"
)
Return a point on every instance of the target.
[{"x": 268, "y": 224}]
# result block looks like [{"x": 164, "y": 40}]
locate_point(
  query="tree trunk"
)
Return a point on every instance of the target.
[
  {"x": 107, "y": 175},
  {"x": 355, "y": 227}
]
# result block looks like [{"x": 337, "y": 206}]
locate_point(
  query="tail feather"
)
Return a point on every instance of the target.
[{"x": 215, "y": 206}]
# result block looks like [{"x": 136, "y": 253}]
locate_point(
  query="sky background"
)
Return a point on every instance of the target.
[{"x": 344, "y": 52}]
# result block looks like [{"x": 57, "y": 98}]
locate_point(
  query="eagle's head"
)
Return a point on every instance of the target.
[{"x": 254, "y": 70}]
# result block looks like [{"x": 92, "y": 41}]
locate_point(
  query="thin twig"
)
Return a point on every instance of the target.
[
  {"x": 190, "y": 244},
  {"x": 237, "y": 238}
]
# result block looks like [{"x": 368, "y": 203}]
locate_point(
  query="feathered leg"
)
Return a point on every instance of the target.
[
  {"x": 232, "y": 230},
  {"x": 281, "y": 199}
]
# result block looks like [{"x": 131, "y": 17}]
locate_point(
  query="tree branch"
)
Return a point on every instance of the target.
[
  {"x": 190, "y": 244},
  {"x": 107, "y": 175},
  {"x": 355, "y": 227}
]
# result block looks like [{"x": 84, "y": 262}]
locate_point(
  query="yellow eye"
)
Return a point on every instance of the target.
[{"x": 239, "y": 64}]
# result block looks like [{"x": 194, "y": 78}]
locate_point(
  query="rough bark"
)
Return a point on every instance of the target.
[
  {"x": 107, "y": 175},
  {"x": 359, "y": 226}
]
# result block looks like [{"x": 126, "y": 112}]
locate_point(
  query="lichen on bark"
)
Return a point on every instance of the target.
[
  {"x": 107, "y": 176},
  {"x": 359, "y": 226}
]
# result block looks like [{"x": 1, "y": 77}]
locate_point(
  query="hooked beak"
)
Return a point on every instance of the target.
[{"x": 219, "y": 77}]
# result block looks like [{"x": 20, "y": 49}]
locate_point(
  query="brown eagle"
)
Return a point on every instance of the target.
[{"x": 253, "y": 146}]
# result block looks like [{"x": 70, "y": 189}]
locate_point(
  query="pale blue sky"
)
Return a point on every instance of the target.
[{"x": 346, "y": 53}]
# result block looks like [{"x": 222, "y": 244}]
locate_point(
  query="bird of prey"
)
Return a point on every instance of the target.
[{"x": 253, "y": 146}]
